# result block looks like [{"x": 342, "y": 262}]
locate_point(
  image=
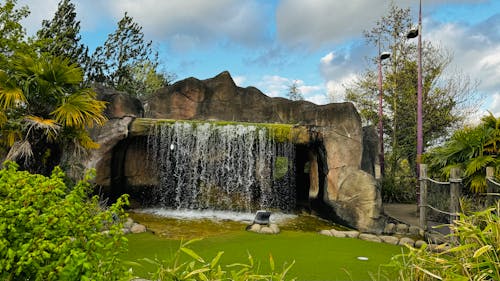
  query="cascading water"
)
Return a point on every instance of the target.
[{"x": 223, "y": 167}]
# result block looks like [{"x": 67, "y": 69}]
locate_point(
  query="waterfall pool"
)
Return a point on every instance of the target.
[{"x": 188, "y": 224}]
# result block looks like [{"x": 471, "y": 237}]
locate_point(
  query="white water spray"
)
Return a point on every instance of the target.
[{"x": 222, "y": 167}]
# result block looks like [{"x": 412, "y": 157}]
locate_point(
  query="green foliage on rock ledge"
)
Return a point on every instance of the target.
[{"x": 49, "y": 232}]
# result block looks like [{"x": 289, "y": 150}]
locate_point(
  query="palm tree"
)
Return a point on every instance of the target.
[
  {"x": 471, "y": 149},
  {"x": 43, "y": 109}
]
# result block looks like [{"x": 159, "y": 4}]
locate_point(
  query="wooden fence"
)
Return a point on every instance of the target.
[{"x": 455, "y": 187}]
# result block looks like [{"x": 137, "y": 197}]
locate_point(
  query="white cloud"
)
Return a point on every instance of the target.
[
  {"x": 336, "y": 87},
  {"x": 277, "y": 86},
  {"x": 274, "y": 85},
  {"x": 239, "y": 80},
  {"x": 495, "y": 104},
  {"x": 320, "y": 22},
  {"x": 198, "y": 20},
  {"x": 476, "y": 50},
  {"x": 318, "y": 99}
]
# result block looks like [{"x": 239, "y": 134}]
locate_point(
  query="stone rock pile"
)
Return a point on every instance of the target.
[
  {"x": 271, "y": 228},
  {"x": 133, "y": 227},
  {"x": 396, "y": 234}
]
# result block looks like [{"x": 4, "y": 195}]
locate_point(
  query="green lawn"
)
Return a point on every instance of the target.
[{"x": 317, "y": 257}]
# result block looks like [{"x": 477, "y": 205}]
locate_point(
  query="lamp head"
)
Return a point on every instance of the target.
[
  {"x": 412, "y": 33},
  {"x": 384, "y": 55}
]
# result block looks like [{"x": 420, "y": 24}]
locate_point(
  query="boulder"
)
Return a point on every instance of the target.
[
  {"x": 338, "y": 234},
  {"x": 389, "y": 239},
  {"x": 274, "y": 228},
  {"x": 137, "y": 228},
  {"x": 325, "y": 232},
  {"x": 255, "y": 227},
  {"x": 402, "y": 228},
  {"x": 407, "y": 241},
  {"x": 389, "y": 228},
  {"x": 119, "y": 104},
  {"x": 415, "y": 230},
  {"x": 420, "y": 243},
  {"x": 370, "y": 237},
  {"x": 266, "y": 230},
  {"x": 351, "y": 234}
]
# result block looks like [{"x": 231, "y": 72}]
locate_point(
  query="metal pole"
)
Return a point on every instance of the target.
[
  {"x": 423, "y": 196},
  {"x": 420, "y": 134},
  {"x": 380, "y": 116}
]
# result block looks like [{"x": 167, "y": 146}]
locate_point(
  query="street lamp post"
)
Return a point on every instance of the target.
[
  {"x": 420, "y": 135},
  {"x": 381, "y": 57}
]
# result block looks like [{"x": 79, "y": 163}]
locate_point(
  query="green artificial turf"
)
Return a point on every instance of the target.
[{"x": 317, "y": 257}]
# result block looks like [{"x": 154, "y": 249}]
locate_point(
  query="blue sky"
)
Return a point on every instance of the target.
[{"x": 270, "y": 44}]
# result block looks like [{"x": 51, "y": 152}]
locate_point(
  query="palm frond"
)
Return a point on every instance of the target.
[
  {"x": 477, "y": 183},
  {"x": 49, "y": 127},
  {"x": 478, "y": 164},
  {"x": 9, "y": 136},
  {"x": 80, "y": 110},
  {"x": 20, "y": 150},
  {"x": 10, "y": 94},
  {"x": 3, "y": 118}
]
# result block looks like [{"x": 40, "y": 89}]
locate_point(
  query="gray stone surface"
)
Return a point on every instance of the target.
[
  {"x": 351, "y": 234},
  {"x": 325, "y": 232},
  {"x": 369, "y": 237},
  {"x": 255, "y": 227},
  {"x": 389, "y": 239},
  {"x": 415, "y": 230},
  {"x": 266, "y": 230},
  {"x": 337, "y": 233},
  {"x": 407, "y": 241},
  {"x": 389, "y": 228},
  {"x": 420, "y": 243},
  {"x": 137, "y": 228},
  {"x": 401, "y": 228},
  {"x": 274, "y": 228}
]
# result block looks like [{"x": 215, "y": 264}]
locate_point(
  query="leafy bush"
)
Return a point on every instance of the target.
[
  {"x": 476, "y": 256},
  {"x": 197, "y": 268},
  {"x": 398, "y": 190},
  {"x": 48, "y": 232}
]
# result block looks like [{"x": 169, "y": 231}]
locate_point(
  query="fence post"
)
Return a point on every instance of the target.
[
  {"x": 490, "y": 174},
  {"x": 423, "y": 196},
  {"x": 455, "y": 183}
]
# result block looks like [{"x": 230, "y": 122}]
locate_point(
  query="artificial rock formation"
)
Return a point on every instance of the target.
[{"x": 335, "y": 151}]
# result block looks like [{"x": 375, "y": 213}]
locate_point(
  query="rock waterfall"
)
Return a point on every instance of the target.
[{"x": 219, "y": 166}]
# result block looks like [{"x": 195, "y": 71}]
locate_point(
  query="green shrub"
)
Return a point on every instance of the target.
[
  {"x": 49, "y": 232},
  {"x": 196, "y": 268},
  {"x": 475, "y": 256},
  {"x": 398, "y": 189}
]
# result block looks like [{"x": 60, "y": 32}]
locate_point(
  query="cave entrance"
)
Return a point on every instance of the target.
[{"x": 310, "y": 175}]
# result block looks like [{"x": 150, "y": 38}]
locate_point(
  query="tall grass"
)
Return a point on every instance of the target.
[{"x": 199, "y": 268}]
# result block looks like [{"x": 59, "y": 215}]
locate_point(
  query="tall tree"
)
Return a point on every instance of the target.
[
  {"x": 294, "y": 92},
  {"x": 448, "y": 100},
  {"x": 115, "y": 64},
  {"x": 11, "y": 31},
  {"x": 61, "y": 35}
]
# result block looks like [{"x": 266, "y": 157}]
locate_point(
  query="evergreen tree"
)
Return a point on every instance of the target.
[
  {"x": 11, "y": 31},
  {"x": 61, "y": 35},
  {"x": 294, "y": 93},
  {"x": 115, "y": 64}
]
